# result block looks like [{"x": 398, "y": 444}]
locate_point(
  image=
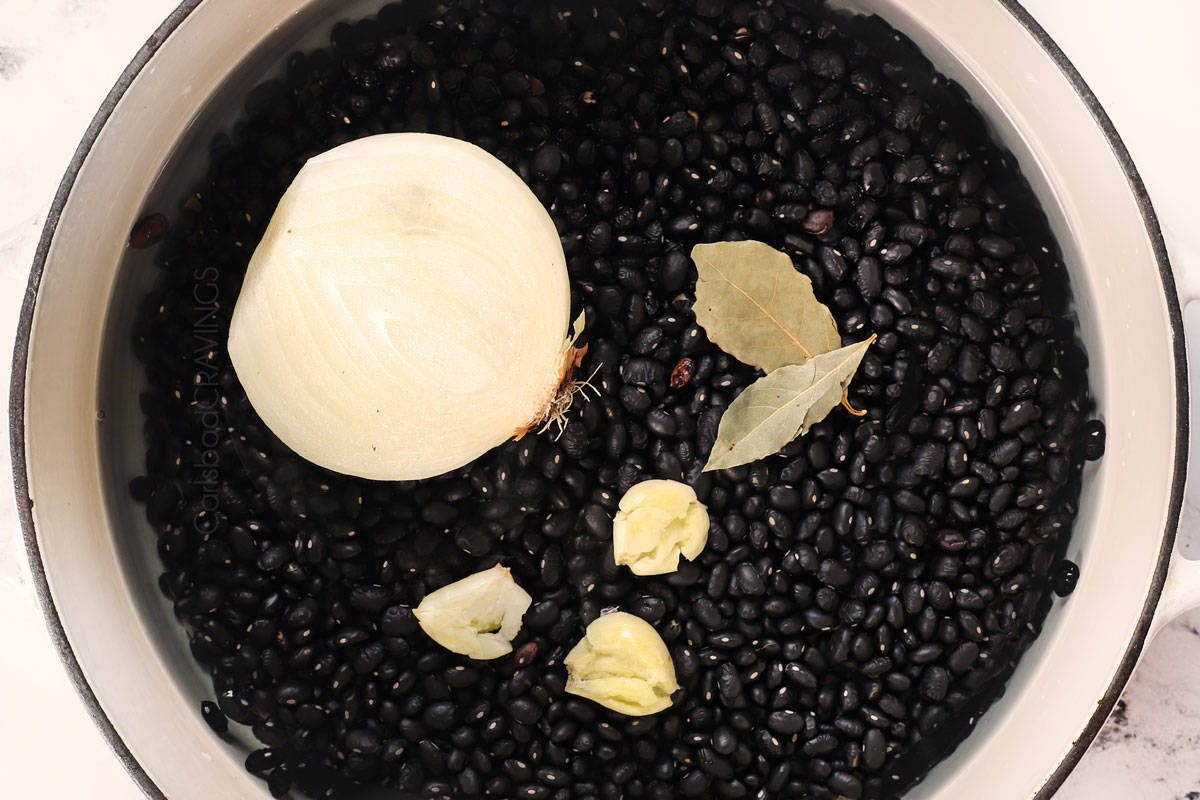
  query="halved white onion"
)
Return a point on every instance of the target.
[{"x": 406, "y": 309}]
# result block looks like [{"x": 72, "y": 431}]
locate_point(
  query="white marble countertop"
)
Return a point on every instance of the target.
[{"x": 58, "y": 58}]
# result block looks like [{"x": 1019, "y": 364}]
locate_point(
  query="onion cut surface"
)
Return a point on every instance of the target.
[{"x": 406, "y": 310}]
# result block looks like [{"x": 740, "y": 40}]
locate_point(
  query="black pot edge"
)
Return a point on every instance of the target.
[
  {"x": 16, "y": 412},
  {"x": 16, "y": 401},
  {"x": 1111, "y": 695}
]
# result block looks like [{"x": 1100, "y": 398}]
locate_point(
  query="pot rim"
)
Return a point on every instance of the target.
[{"x": 16, "y": 423}]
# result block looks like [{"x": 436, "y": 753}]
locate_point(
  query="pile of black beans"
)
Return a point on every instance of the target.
[{"x": 863, "y": 595}]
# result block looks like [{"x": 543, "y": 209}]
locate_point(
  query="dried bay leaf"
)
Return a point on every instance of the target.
[
  {"x": 754, "y": 305},
  {"x": 777, "y": 408}
]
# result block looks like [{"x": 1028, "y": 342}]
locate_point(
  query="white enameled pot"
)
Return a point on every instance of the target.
[{"x": 76, "y": 426}]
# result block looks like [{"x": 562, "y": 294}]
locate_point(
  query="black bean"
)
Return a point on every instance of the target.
[
  {"x": 1018, "y": 415},
  {"x": 148, "y": 230},
  {"x": 833, "y": 573},
  {"x": 279, "y": 783},
  {"x": 874, "y": 179},
  {"x": 950, "y": 266},
  {"x": 1006, "y": 559},
  {"x": 874, "y": 749},
  {"x": 398, "y": 621},
  {"x": 962, "y": 657},
  {"x": 599, "y": 238},
  {"x": 679, "y": 123},
  {"x": 747, "y": 580},
  {"x": 1066, "y": 575},
  {"x": 845, "y": 785},
  {"x": 213, "y": 716},
  {"x": 439, "y": 716},
  {"x": 833, "y": 262},
  {"x": 642, "y": 371},
  {"x": 964, "y": 217},
  {"x": 996, "y": 246},
  {"x": 673, "y": 271},
  {"x": 1092, "y": 436},
  {"x": 818, "y": 221},
  {"x": 524, "y": 711},
  {"x": 785, "y": 497},
  {"x": 729, "y": 684},
  {"x": 660, "y": 423},
  {"x": 363, "y": 742},
  {"x": 934, "y": 683},
  {"x": 547, "y": 162},
  {"x": 273, "y": 558}
]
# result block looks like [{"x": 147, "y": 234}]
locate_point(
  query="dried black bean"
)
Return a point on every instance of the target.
[
  {"x": 213, "y": 716},
  {"x": 1092, "y": 437},
  {"x": 1066, "y": 575}
]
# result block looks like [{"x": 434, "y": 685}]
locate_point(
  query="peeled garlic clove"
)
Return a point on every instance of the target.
[
  {"x": 406, "y": 309},
  {"x": 623, "y": 664},
  {"x": 658, "y": 521},
  {"x": 477, "y": 616}
]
